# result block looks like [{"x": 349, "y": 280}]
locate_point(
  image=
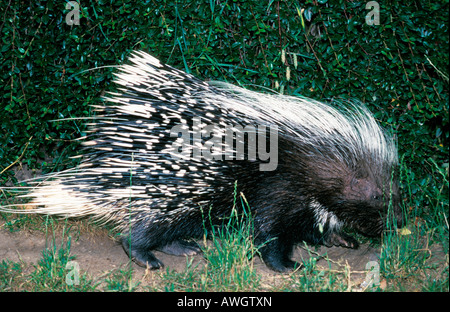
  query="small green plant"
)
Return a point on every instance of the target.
[
  {"x": 10, "y": 272},
  {"x": 190, "y": 279},
  {"x": 121, "y": 280},
  {"x": 57, "y": 270},
  {"x": 231, "y": 249},
  {"x": 406, "y": 253},
  {"x": 311, "y": 277}
]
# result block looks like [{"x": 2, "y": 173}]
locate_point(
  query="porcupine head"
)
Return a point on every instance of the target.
[{"x": 337, "y": 172}]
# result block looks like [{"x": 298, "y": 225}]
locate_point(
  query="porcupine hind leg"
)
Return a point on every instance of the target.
[
  {"x": 140, "y": 239},
  {"x": 140, "y": 254},
  {"x": 181, "y": 248},
  {"x": 147, "y": 235}
]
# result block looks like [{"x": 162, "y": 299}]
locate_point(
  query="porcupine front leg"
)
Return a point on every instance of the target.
[
  {"x": 341, "y": 240},
  {"x": 275, "y": 228},
  {"x": 276, "y": 253}
]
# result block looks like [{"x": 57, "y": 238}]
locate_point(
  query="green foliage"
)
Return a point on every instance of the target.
[
  {"x": 409, "y": 255},
  {"x": 232, "y": 249},
  {"x": 9, "y": 271},
  {"x": 313, "y": 278},
  {"x": 55, "y": 270},
  {"x": 121, "y": 280},
  {"x": 50, "y": 70}
]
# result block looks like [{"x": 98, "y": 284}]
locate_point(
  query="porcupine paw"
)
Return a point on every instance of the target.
[
  {"x": 341, "y": 240},
  {"x": 181, "y": 248},
  {"x": 142, "y": 257},
  {"x": 282, "y": 266},
  {"x": 278, "y": 260}
]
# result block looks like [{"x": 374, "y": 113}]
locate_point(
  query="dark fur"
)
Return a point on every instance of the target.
[{"x": 282, "y": 215}]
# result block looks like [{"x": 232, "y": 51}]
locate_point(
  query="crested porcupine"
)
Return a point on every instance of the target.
[{"x": 168, "y": 147}]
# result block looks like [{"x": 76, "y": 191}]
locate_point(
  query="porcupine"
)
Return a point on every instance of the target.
[{"x": 335, "y": 168}]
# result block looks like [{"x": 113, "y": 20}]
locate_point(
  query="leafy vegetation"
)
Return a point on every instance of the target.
[{"x": 51, "y": 70}]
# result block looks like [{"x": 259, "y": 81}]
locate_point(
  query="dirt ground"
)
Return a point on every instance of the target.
[{"x": 97, "y": 253}]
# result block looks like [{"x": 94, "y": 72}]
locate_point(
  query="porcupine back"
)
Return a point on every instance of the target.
[{"x": 332, "y": 162}]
